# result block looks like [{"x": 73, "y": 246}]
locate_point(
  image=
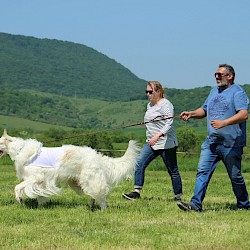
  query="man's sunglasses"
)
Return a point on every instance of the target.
[
  {"x": 149, "y": 92},
  {"x": 218, "y": 74}
]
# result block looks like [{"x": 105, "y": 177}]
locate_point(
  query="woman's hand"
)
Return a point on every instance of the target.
[{"x": 154, "y": 139}]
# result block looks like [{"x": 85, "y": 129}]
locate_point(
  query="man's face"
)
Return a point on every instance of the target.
[{"x": 222, "y": 77}]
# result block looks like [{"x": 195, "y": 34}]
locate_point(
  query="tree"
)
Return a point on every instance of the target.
[{"x": 187, "y": 138}]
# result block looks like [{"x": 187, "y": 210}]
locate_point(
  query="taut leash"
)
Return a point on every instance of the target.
[{"x": 162, "y": 117}]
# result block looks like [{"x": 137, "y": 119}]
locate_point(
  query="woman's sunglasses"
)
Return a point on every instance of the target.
[{"x": 149, "y": 92}]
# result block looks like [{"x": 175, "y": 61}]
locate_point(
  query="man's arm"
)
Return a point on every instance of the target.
[
  {"x": 198, "y": 114},
  {"x": 239, "y": 117}
]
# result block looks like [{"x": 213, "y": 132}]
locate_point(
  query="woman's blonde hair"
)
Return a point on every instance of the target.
[{"x": 157, "y": 87}]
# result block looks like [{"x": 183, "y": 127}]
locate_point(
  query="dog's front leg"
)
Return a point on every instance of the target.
[
  {"x": 19, "y": 199},
  {"x": 41, "y": 200},
  {"x": 19, "y": 193}
]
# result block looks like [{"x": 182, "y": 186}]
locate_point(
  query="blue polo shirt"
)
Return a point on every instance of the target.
[{"x": 220, "y": 105}]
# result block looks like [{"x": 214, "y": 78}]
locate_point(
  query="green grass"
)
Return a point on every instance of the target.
[
  {"x": 153, "y": 222},
  {"x": 15, "y": 122}
]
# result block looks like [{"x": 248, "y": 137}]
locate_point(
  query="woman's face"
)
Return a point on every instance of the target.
[{"x": 151, "y": 94}]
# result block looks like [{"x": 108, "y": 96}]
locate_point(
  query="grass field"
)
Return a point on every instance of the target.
[
  {"x": 8, "y": 122},
  {"x": 153, "y": 222}
]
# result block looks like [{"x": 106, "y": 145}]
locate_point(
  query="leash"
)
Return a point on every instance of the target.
[{"x": 162, "y": 117}]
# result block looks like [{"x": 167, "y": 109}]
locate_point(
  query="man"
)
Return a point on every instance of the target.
[{"x": 226, "y": 109}]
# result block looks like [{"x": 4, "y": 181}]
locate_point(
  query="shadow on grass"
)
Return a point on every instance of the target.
[
  {"x": 220, "y": 207},
  {"x": 29, "y": 203},
  {"x": 152, "y": 198},
  {"x": 223, "y": 206},
  {"x": 33, "y": 204}
]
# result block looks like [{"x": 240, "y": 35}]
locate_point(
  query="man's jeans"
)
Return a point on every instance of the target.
[
  {"x": 210, "y": 156},
  {"x": 169, "y": 157}
]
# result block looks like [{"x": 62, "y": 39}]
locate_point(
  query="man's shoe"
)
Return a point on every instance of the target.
[
  {"x": 187, "y": 206},
  {"x": 132, "y": 196},
  {"x": 244, "y": 208}
]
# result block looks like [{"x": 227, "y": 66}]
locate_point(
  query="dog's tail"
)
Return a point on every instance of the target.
[{"x": 123, "y": 167}]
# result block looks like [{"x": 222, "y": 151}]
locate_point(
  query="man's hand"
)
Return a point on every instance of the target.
[
  {"x": 198, "y": 114},
  {"x": 185, "y": 115},
  {"x": 217, "y": 124},
  {"x": 239, "y": 117}
]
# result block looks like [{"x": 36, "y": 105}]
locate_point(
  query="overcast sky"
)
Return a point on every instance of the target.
[{"x": 179, "y": 43}]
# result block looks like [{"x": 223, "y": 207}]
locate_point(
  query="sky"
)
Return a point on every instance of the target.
[{"x": 179, "y": 43}]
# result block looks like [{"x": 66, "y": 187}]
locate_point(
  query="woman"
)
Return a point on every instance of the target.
[{"x": 160, "y": 140}]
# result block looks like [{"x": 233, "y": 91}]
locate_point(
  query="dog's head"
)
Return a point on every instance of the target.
[{"x": 4, "y": 141}]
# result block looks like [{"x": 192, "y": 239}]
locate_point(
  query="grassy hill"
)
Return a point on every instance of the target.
[
  {"x": 64, "y": 68},
  {"x": 91, "y": 113},
  {"x": 71, "y": 85},
  {"x": 8, "y": 122},
  {"x": 68, "y": 111}
]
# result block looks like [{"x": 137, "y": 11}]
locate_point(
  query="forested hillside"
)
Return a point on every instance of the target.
[
  {"x": 64, "y": 68},
  {"x": 90, "y": 113},
  {"x": 68, "y": 84}
]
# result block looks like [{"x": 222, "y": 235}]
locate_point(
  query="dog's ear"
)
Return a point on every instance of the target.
[
  {"x": 6, "y": 135},
  {"x": 5, "y": 132}
]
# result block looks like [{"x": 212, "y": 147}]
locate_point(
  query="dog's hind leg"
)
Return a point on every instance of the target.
[
  {"x": 103, "y": 204},
  {"x": 92, "y": 203},
  {"x": 74, "y": 185}
]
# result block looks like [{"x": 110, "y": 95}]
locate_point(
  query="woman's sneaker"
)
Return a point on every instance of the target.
[
  {"x": 177, "y": 197},
  {"x": 132, "y": 196}
]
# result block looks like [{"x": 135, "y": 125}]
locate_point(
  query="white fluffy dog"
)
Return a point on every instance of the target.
[{"x": 83, "y": 168}]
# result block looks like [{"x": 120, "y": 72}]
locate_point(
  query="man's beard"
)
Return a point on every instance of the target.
[{"x": 222, "y": 84}]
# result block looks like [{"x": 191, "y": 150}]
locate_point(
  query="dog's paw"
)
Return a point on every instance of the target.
[{"x": 19, "y": 199}]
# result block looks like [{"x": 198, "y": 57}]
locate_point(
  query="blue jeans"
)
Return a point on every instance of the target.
[
  {"x": 169, "y": 157},
  {"x": 210, "y": 156}
]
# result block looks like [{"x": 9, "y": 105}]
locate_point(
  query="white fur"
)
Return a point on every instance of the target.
[{"x": 83, "y": 168}]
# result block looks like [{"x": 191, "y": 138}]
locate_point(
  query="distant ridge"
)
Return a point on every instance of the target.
[
  {"x": 72, "y": 85},
  {"x": 65, "y": 68}
]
